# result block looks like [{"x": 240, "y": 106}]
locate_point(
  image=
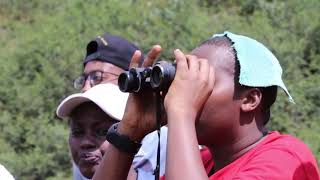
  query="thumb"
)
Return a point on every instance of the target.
[{"x": 180, "y": 60}]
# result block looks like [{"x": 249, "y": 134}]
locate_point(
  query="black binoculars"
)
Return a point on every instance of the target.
[{"x": 156, "y": 78}]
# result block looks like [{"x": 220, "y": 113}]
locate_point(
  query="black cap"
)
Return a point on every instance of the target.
[{"x": 111, "y": 49}]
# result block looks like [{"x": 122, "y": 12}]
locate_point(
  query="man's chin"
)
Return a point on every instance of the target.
[{"x": 88, "y": 171}]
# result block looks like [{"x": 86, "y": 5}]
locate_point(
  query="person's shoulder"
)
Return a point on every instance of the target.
[
  {"x": 152, "y": 138},
  {"x": 283, "y": 156},
  {"x": 147, "y": 155},
  {"x": 285, "y": 142}
]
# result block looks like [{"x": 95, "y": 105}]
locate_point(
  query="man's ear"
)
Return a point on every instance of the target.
[{"x": 251, "y": 99}]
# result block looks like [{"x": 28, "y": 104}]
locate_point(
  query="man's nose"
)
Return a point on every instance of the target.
[{"x": 88, "y": 142}]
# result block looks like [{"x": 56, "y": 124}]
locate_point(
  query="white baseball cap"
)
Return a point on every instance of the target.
[{"x": 107, "y": 96}]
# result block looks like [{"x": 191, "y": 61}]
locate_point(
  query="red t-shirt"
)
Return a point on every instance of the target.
[{"x": 278, "y": 157}]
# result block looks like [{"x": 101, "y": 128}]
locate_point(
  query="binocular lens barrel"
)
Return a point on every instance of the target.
[
  {"x": 128, "y": 81},
  {"x": 157, "y": 77},
  {"x": 135, "y": 79},
  {"x": 162, "y": 75}
]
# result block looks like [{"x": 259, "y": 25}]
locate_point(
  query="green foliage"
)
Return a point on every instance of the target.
[{"x": 43, "y": 43}]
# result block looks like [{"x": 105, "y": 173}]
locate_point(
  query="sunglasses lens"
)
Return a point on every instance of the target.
[{"x": 78, "y": 83}]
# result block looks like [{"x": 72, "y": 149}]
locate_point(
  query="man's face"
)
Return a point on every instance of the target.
[
  {"x": 87, "y": 138},
  {"x": 111, "y": 72},
  {"x": 220, "y": 115}
]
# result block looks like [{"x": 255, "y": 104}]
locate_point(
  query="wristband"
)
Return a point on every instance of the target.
[{"x": 122, "y": 142}]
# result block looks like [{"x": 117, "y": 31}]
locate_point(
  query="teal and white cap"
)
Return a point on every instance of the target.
[{"x": 258, "y": 66}]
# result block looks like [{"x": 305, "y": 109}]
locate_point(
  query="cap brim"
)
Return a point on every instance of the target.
[
  {"x": 69, "y": 104},
  {"x": 106, "y": 96}
]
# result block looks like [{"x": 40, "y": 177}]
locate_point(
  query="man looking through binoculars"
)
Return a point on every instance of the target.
[{"x": 220, "y": 97}]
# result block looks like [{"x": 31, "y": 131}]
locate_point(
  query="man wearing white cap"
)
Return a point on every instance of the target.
[
  {"x": 106, "y": 57},
  {"x": 90, "y": 115}
]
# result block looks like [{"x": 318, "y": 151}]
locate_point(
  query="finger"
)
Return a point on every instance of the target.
[
  {"x": 211, "y": 76},
  {"x": 204, "y": 68},
  {"x": 152, "y": 55},
  {"x": 181, "y": 61},
  {"x": 193, "y": 63},
  {"x": 135, "y": 60}
]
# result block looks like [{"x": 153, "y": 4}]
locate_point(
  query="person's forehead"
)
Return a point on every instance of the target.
[
  {"x": 219, "y": 57},
  {"x": 97, "y": 65},
  {"x": 88, "y": 113}
]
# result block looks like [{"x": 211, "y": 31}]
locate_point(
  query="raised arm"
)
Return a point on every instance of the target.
[
  {"x": 137, "y": 122},
  {"x": 184, "y": 101}
]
